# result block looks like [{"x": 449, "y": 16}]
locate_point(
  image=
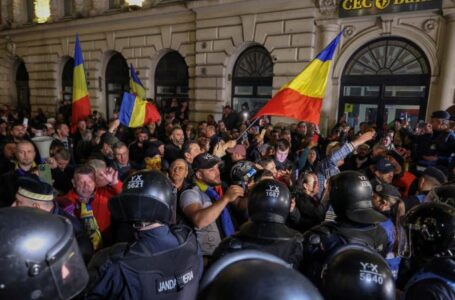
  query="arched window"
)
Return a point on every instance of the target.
[
  {"x": 171, "y": 79},
  {"x": 67, "y": 80},
  {"x": 386, "y": 79},
  {"x": 252, "y": 79},
  {"x": 23, "y": 92},
  {"x": 117, "y": 82}
]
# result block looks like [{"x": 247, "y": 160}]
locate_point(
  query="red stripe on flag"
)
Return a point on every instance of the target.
[
  {"x": 291, "y": 104},
  {"x": 151, "y": 114},
  {"x": 80, "y": 111}
]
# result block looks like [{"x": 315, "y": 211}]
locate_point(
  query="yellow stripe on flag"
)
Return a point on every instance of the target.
[
  {"x": 79, "y": 83},
  {"x": 312, "y": 80},
  {"x": 138, "y": 113}
]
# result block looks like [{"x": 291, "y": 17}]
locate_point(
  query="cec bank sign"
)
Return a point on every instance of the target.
[{"x": 353, "y": 8}]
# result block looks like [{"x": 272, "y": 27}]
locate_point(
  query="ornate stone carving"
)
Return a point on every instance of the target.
[
  {"x": 81, "y": 8},
  {"x": 10, "y": 46},
  {"x": 386, "y": 25},
  {"x": 327, "y": 7},
  {"x": 98, "y": 7},
  {"x": 429, "y": 25},
  {"x": 349, "y": 31}
]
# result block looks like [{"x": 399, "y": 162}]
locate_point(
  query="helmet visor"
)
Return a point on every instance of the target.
[{"x": 69, "y": 272}]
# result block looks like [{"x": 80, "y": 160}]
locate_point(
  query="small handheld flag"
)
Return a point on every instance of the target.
[
  {"x": 301, "y": 98},
  {"x": 137, "y": 112}
]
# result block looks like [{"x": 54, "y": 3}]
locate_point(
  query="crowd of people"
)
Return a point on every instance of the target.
[{"x": 223, "y": 209}]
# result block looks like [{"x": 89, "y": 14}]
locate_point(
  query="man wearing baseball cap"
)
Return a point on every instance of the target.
[
  {"x": 205, "y": 204},
  {"x": 383, "y": 172},
  {"x": 385, "y": 197}
]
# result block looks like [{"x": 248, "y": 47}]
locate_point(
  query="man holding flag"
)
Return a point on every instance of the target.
[{"x": 81, "y": 103}]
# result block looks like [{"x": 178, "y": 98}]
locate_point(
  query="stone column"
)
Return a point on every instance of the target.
[{"x": 447, "y": 75}]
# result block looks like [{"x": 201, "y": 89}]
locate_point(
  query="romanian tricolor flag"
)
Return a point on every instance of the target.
[
  {"x": 301, "y": 98},
  {"x": 136, "y": 86},
  {"x": 81, "y": 103},
  {"x": 137, "y": 112}
]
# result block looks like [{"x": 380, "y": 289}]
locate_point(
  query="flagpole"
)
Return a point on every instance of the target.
[{"x": 245, "y": 131}]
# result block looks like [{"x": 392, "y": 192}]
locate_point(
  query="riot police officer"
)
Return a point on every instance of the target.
[
  {"x": 163, "y": 262},
  {"x": 39, "y": 256},
  {"x": 356, "y": 222},
  {"x": 254, "y": 275},
  {"x": 430, "y": 240},
  {"x": 357, "y": 272},
  {"x": 268, "y": 206}
]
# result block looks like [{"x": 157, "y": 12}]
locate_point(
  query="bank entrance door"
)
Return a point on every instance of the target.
[{"x": 385, "y": 80}]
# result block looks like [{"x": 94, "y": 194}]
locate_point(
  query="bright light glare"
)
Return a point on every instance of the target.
[
  {"x": 134, "y": 2},
  {"x": 42, "y": 10},
  {"x": 34, "y": 244}
]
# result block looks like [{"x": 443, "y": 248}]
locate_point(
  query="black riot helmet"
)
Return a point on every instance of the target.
[
  {"x": 243, "y": 172},
  {"x": 350, "y": 196},
  {"x": 251, "y": 275},
  {"x": 39, "y": 256},
  {"x": 147, "y": 196},
  {"x": 357, "y": 272},
  {"x": 269, "y": 201},
  {"x": 442, "y": 194},
  {"x": 429, "y": 231}
]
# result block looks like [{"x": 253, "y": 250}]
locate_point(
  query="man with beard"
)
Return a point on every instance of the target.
[
  {"x": 205, "y": 204},
  {"x": 383, "y": 172},
  {"x": 173, "y": 150},
  {"x": 358, "y": 161}
]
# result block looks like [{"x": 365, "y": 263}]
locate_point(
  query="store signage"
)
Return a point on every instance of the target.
[{"x": 353, "y": 8}]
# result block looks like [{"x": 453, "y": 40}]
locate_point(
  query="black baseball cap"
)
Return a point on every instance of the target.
[
  {"x": 384, "y": 166},
  {"x": 205, "y": 161},
  {"x": 441, "y": 114},
  {"x": 386, "y": 190}
]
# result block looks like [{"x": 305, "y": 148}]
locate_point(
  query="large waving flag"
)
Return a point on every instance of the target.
[
  {"x": 81, "y": 102},
  {"x": 301, "y": 98},
  {"x": 137, "y": 112},
  {"x": 136, "y": 86}
]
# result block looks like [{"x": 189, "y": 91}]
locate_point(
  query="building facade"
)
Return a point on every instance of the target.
[{"x": 232, "y": 52}]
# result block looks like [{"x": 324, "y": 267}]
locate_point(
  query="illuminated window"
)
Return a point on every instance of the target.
[{"x": 252, "y": 79}]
